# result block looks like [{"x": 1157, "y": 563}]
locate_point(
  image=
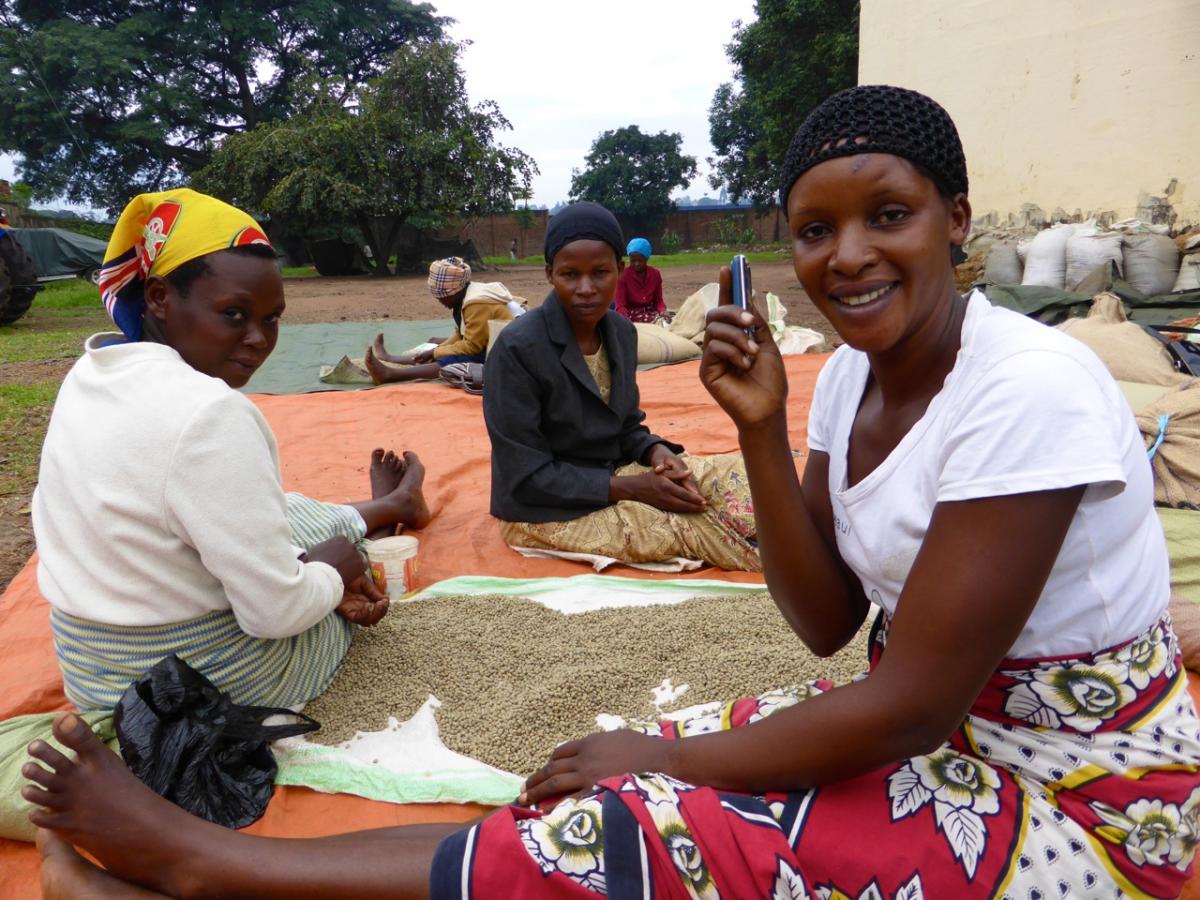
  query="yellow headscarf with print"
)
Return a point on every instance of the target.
[{"x": 158, "y": 233}]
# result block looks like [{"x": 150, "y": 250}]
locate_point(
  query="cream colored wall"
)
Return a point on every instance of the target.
[{"x": 1071, "y": 104}]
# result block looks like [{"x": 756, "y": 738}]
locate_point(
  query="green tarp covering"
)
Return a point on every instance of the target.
[
  {"x": 1052, "y": 306},
  {"x": 295, "y": 366},
  {"x": 56, "y": 251}
]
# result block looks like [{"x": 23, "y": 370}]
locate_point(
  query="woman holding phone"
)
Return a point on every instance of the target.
[{"x": 1025, "y": 729}]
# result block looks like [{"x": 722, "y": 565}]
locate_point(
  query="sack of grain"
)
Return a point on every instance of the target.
[
  {"x": 1003, "y": 264},
  {"x": 1151, "y": 262},
  {"x": 1046, "y": 259},
  {"x": 1189, "y": 274},
  {"x": 1089, "y": 249},
  {"x": 1189, "y": 267},
  {"x": 1129, "y": 353}
]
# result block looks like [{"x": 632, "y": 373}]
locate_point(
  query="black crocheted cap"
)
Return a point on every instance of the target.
[
  {"x": 879, "y": 118},
  {"x": 583, "y": 220}
]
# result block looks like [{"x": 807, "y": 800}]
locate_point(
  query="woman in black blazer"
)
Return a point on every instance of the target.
[{"x": 573, "y": 466}]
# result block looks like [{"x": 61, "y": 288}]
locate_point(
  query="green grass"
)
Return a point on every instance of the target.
[
  {"x": 64, "y": 314},
  {"x": 70, "y": 293},
  {"x": 24, "y": 413},
  {"x": 298, "y": 272},
  {"x": 715, "y": 258}
]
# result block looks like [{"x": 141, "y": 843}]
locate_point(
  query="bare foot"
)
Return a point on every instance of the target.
[
  {"x": 379, "y": 352},
  {"x": 97, "y": 804},
  {"x": 376, "y": 367},
  {"x": 412, "y": 511},
  {"x": 68, "y": 876},
  {"x": 386, "y": 471}
]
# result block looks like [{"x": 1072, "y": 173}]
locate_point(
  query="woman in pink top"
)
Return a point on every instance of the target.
[{"x": 639, "y": 291}]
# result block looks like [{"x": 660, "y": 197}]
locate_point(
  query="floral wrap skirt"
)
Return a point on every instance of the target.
[
  {"x": 723, "y": 535},
  {"x": 1071, "y": 777}
]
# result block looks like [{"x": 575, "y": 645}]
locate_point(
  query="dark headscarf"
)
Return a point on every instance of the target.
[
  {"x": 583, "y": 220},
  {"x": 879, "y": 118}
]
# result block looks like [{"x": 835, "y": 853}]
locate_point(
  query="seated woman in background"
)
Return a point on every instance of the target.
[
  {"x": 640, "y": 288},
  {"x": 160, "y": 521},
  {"x": 472, "y": 304},
  {"x": 1025, "y": 730},
  {"x": 573, "y": 467}
]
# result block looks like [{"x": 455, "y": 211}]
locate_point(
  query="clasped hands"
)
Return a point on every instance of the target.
[{"x": 362, "y": 602}]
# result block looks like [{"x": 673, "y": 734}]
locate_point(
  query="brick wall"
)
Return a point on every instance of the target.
[
  {"x": 698, "y": 226},
  {"x": 493, "y": 235}
]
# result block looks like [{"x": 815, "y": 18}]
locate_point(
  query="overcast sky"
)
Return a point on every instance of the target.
[{"x": 563, "y": 71}]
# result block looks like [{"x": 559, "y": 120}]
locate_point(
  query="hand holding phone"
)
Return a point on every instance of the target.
[{"x": 742, "y": 287}]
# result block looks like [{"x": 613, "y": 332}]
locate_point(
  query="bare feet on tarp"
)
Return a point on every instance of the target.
[
  {"x": 413, "y": 510},
  {"x": 378, "y": 369},
  {"x": 380, "y": 352},
  {"x": 98, "y": 805},
  {"x": 386, "y": 471},
  {"x": 68, "y": 876},
  {"x": 397, "y": 497}
]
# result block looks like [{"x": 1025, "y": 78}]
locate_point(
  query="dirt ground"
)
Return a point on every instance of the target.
[
  {"x": 364, "y": 298},
  {"x": 406, "y": 298}
]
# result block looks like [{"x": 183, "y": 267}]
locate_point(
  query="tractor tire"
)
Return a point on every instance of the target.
[{"x": 21, "y": 277}]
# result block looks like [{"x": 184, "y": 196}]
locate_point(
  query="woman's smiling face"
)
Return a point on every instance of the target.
[
  {"x": 871, "y": 239},
  {"x": 228, "y": 323}
]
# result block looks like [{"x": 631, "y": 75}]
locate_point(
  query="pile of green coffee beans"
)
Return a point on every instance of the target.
[{"x": 516, "y": 679}]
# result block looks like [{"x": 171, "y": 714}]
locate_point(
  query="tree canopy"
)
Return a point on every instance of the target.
[
  {"x": 407, "y": 150},
  {"x": 104, "y": 99},
  {"x": 633, "y": 173},
  {"x": 797, "y": 53}
]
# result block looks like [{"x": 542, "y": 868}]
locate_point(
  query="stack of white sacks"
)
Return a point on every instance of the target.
[{"x": 1064, "y": 255}]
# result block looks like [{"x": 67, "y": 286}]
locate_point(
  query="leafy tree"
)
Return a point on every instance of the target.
[
  {"x": 796, "y": 54},
  {"x": 633, "y": 174},
  {"x": 104, "y": 99},
  {"x": 408, "y": 150}
]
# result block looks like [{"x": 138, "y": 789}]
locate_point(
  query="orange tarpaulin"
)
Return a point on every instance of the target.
[{"x": 325, "y": 442}]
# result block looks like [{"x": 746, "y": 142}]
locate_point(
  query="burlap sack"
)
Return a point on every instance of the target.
[
  {"x": 1176, "y": 462},
  {"x": 1129, "y": 353}
]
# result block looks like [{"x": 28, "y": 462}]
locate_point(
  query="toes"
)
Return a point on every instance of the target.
[
  {"x": 38, "y": 797},
  {"x": 38, "y": 775},
  {"x": 74, "y": 733},
  {"x": 43, "y": 752},
  {"x": 44, "y": 818},
  {"x": 377, "y": 456}
]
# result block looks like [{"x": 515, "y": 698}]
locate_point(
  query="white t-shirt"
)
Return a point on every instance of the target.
[
  {"x": 1025, "y": 408},
  {"x": 159, "y": 500}
]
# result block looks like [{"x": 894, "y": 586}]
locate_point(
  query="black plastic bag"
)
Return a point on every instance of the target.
[{"x": 190, "y": 743}]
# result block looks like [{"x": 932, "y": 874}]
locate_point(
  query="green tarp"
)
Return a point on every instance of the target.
[
  {"x": 56, "y": 251},
  {"x": 1052, "y": 306},
  {"x": 295, "y": 366}
]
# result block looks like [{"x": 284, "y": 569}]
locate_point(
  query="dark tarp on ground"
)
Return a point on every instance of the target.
[
  {"x": 1052, "y": 306},
  {"x": 294, "y": 366},
  {"x": 56, "y": 251}
]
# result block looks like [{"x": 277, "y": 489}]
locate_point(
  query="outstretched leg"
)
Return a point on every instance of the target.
[
  {"x": 397, "y": 495},
  {"x": 383, "y": 372},
  {"x": 95, "y": 803}
]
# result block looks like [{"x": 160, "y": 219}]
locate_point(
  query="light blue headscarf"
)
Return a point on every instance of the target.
[{"x": 639, "y": 245}]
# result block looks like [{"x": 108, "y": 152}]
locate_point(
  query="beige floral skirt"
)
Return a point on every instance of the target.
[{"x": 723, "y": 535}]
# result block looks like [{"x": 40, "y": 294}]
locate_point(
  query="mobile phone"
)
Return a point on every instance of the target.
[{"x": 742, "y": 287}]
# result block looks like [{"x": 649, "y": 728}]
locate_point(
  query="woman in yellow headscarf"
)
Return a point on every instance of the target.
[{"x": 161, "y": 523}]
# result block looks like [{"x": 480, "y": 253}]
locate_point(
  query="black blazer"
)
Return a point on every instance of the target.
[{"x": 555, "y": 443}]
